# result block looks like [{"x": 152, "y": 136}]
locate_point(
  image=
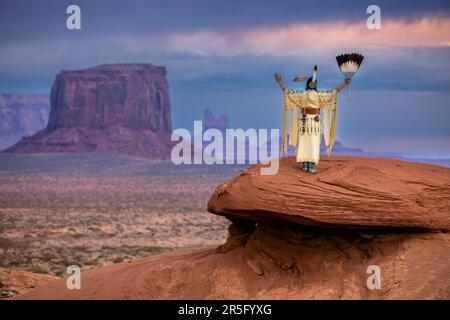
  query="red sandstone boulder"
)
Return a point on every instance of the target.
[{"x": 346, "y": 192}]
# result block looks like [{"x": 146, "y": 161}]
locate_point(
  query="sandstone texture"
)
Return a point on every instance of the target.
[
  {"x": 347, "y": 192},
  {"x": 280, "y": 261}
]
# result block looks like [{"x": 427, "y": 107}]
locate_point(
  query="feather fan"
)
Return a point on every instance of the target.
[{"x": 349, "y": 64}]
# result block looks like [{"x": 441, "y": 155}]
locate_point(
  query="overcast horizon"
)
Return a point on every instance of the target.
[{"x": 223, "y": 55}]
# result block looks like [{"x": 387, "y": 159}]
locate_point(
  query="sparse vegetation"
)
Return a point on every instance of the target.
[
  {"x": 8, "y": 293},
  {"x": 91, "y": 210}
]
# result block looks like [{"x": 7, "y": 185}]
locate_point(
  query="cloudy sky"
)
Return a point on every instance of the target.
[{"x": 222, "y": 54}]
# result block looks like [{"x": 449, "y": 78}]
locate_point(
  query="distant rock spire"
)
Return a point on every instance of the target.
[{"x": 210, "y": 121}]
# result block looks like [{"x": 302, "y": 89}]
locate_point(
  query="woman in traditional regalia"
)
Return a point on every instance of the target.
[{"x": 306, "y": 132}]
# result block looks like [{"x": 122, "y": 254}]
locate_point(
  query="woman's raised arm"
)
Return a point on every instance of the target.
[
  {"x": 278, "y": 79},
  {"x": 344, "y": 84}
]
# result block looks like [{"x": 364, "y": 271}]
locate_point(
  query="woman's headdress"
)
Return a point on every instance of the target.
[{"x": 311, "y": 82}]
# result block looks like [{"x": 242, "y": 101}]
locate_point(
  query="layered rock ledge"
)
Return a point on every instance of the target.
[{"x": 347, "y": 192}]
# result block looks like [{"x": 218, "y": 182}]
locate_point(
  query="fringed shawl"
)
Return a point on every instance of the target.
[{"x": 295, "y": 99}]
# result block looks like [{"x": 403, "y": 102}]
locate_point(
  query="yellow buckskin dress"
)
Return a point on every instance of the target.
[{"x": 305, "y": 133}]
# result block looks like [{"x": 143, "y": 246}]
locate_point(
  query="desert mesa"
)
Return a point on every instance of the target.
[{"x": 118, "y": 108}]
